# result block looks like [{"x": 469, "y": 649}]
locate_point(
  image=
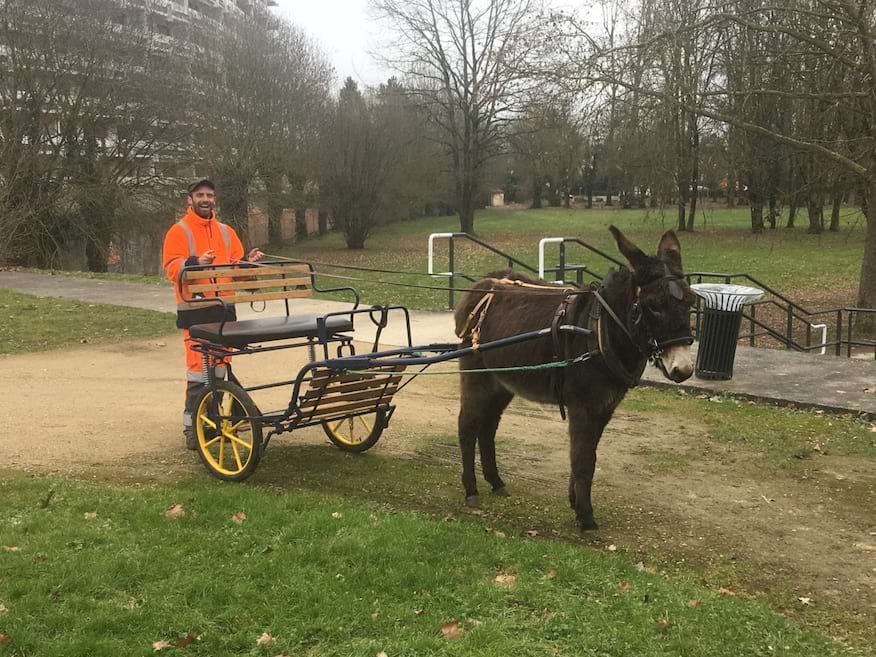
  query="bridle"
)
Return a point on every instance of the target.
[{"x": 655, "y": 348}]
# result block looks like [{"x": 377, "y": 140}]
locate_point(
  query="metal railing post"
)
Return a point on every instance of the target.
[
  {"x": 751, "y": 319},
  {"x": 561, "y": 271},
  {"x": 789, "y": 329},
  {"x": 849, "y": 343},
  {"x": 452, "y": 272},
  {"x": 839, "y": 332}
]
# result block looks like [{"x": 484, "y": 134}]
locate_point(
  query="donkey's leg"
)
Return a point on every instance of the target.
[
  {"x": 487, "y": 435},
  {"x": 585, "y": 430},
  {"x": 470, "y": 409}
]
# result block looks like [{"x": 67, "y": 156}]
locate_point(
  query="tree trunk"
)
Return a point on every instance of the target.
[
  {"x": 756, "y": 216},
  {"x": 274, "y": 188},
  {"x": 536, "y": 194},
  {"x": 792, "y": 212},
  {"x": 465, "y": 199},
  {"x": 867, "y": 287},
  {"x": 816, "y": 216},
  {"x": 694, "y": 186},
  {"x": 693, "y": 211},
  {"x": 322, "y": 221},
  {"x": 682, "y": 203},
  {"x": 773, "y": 214},
  {"x": 835, "y": 213}
]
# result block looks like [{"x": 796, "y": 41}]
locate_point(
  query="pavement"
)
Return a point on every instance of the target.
[{"x": 826, "y": 382}]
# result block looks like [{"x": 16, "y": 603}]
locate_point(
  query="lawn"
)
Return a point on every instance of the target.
[
  {"x": 36, "y": 324},
  {"x": 815, "y": 270},
  {"x": 200, "y": 568}
]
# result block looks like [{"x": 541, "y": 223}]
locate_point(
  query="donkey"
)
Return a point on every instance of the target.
[{"x": 637, "y": 314}]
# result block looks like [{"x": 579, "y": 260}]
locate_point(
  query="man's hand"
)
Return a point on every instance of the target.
[
  {"x": 255, "y": 255},
  {"x": 207, "y": 258}
]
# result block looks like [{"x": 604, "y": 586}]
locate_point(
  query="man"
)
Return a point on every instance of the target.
[{"x": 199, "y": 239}]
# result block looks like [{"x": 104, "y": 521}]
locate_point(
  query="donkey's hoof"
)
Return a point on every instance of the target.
[
  {"x": 587, "y": 524},
  {"x": 501, "y": 491},
  {"x": 473, "y": 501}
]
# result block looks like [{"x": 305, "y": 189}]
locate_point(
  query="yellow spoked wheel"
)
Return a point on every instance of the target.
[
  {"x": 230, "y": 445},
  {"x": 357, "y": 433}
]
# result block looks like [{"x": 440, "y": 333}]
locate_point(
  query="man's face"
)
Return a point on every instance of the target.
[{"x": 202, "y": 201}]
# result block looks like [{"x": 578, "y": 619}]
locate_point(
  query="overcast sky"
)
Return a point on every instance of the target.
[
  {"x": 343, "y": 30},
  {"x": 346, "y": 33}
]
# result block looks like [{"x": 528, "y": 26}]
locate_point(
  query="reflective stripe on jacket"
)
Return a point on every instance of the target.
[{"x": 184, "y": 242}]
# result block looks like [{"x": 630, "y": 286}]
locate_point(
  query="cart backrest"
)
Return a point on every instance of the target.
[
  {"x": 332, "y": 394},
  {"x": 269, "y": 282}
]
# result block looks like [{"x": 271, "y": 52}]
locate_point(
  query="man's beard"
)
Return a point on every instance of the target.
[{"x": 205, "y": 212}]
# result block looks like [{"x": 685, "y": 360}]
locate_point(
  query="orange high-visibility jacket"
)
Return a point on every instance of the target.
[{"x": 188, "y": 239}]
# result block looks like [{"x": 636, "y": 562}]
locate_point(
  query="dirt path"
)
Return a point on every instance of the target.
[{"x": 671, "y": 489}]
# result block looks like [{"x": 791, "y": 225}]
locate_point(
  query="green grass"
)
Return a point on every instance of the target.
[
  {"x": 330, "y": 576},
  {"x": 31, "y": 323},
  {"x": 816, "y": 270},
  {"x": 784, "y": 435}
]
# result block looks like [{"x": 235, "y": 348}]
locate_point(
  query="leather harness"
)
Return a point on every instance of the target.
[{"x": 599, "y": 339}]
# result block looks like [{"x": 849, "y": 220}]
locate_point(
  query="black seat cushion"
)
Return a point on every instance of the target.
[{"x": 247, "y": 331}]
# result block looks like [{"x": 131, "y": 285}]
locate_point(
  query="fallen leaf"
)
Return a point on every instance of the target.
[
  {"x": 625, "y": 586},
  {"x": 161, "y": 645},
  {"x": 373, "y": 616},
  {"x": 724, "y": 591},
  {"x": 612, "y": 548},
  {"x": 84, "y": 341},
  {"x": 532, "y": 533},
  {"x": 419, "y": 612},
  {"x": 715, "y": 399},
  {"x": 3, "y": 610},
  {"x": 174, "y": 511},
  {"x": 265, "y": 640},
  {"x": 183, "y": 641},
  {"x": 39, "y": 557},
  {"x": 160, "y": 344},
  {"x": 337, "y": 515},
  {"x": 382, "y": 654},
  {"x": 806, "y": 602},
  {"x": 693, "y": 603},
  {"x": 90, "y": 515},
  {"x": 10, "y": 548},
  {"x": 551, "y": 574},
  {"x": 663, "y": 625},
  {"x": 5, "y": 639},
  {"x": 451, "y": 629},
  {"x": 239, "y": 517},
  {"x": 640, "y": 566},
  {"x": 505, "y": 579}
]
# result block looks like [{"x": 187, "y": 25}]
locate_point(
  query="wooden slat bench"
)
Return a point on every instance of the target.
[{"x": 262, "y": 283}]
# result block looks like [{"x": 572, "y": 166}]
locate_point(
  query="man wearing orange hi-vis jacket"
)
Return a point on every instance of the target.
[{"x": 199, "y": 239}]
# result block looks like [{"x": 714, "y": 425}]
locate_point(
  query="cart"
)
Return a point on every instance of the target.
[{"x": 349, "y": 395}]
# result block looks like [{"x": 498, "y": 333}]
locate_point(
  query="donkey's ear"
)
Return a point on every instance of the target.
[
  {"x": 631, "y": 252},
  {"x": 670, "y": 248}
]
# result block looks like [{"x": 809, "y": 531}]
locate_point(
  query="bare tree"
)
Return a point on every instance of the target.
[
  {"x": 467, "y": 58},
  {"x": 87, "y": 105},
  {"x": 360, "y": 155}
]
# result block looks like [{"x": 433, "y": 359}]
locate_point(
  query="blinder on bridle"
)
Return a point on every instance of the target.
[{"x": 675, "y": 286}]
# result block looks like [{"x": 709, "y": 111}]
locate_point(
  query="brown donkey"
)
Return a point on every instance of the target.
[{"x": 637, "y": 314}]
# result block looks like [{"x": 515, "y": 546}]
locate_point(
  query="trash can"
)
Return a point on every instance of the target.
[{"x": 719, "y": 329}]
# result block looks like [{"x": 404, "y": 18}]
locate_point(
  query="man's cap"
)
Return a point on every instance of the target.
[{"x": 202, "y": 182}]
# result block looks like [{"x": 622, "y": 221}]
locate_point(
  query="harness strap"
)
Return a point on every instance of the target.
[
  {"x": 479, "y": 312},
  {"x": 558, "y": 376}
]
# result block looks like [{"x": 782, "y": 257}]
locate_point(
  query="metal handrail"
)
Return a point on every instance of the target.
[{"x": 452, "y": 274}]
